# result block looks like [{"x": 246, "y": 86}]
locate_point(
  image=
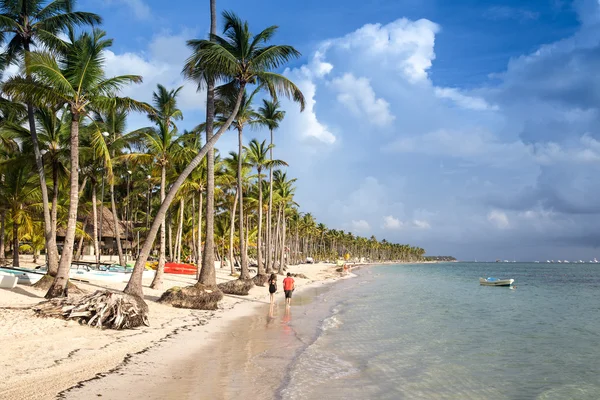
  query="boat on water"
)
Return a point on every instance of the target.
[{"x": 495, "y": 282}]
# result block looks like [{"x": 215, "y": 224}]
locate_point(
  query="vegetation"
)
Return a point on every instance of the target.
[{"x": 63, "y": 137}]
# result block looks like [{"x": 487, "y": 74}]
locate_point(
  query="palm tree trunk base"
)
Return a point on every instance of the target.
[
  {"x": 102, "y": 309},
  {"x": 197, "y": 297},
  {"x": 46, "y": 283},
  {"x": 260, "y": 279},
  {"x": 240, "y": 287}
]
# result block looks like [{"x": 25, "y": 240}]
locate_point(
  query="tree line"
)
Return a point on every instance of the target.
[{"x": 65, "y": 148}]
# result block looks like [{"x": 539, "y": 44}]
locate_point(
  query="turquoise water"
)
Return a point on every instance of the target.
[{"x": 430, "y": 331}]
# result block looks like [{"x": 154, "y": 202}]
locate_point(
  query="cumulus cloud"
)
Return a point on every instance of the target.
[
  {"x": 390, "y": 222},
  {"x": 360, "y": 227},
  {"x": 499, "y": 219},
  {"x": 471, "y": 102},
  {"x": 358, "y": 96}
]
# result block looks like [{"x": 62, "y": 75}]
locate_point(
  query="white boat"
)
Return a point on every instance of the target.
[
  {"x": 112, "y": 275},
  {"x": 495, "y": 282},
  {"x": 24, "y": 276}
]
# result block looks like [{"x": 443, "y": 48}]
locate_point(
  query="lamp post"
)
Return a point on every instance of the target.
[
  {"x": 148, "y": 208},
  {"x": 105, "y": 134}
]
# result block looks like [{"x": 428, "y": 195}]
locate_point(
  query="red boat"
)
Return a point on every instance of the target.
[{"x": 180, "y": 269}]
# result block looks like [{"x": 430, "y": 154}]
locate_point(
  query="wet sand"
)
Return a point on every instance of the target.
[{"x": 246, "y": 359}]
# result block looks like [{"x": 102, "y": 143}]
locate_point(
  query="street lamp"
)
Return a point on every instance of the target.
[
  {"x": 105, "y": 134},
  {"x": 43, "y": 152}
]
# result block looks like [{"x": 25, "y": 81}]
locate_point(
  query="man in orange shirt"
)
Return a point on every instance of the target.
[{"x": 288, "y": 288}]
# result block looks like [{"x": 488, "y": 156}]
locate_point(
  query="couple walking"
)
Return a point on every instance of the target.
[{"x": 288, "y": 288}]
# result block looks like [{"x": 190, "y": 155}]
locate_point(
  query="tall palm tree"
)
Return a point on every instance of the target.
[
  {"x": 285, "y": 195},
  {"x": 270, "y": 116},
  {"x": 238, "y": 57},
  {"x": 76, "y": 79},
  {"x": 163, "y": 142},
  {"x": 257, "y": 155},
  {"x": 245, "y": 116},
  {"x": 37, "y": 23}
]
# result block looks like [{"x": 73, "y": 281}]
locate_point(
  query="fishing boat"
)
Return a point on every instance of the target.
[{"x": 495, "y": 282}]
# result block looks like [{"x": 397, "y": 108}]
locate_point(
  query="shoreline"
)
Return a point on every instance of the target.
[{"x": 62, "y": 356}]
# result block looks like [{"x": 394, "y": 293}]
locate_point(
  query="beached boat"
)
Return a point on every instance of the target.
[
  {"x": 180, "y": 269},
  {"x": 113, "y": 274},
  {"x": 495, "y": 282},
  {"x": 24, "y": 276}
]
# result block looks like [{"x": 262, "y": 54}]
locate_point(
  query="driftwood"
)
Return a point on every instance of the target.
[
  {"x": 102, "y": 309},
  {"x": 240, "y": 287},
  {"x": 198, "y": 297}
]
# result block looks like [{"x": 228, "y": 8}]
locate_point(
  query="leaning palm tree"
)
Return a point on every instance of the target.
[
  {"x": 37, "y": 23},
  {"x": 257, "y": 155},
  {"x": 76, "y": 79},
  {"x": 270, "y": 116},
  {"x": 239, "y": 57}
]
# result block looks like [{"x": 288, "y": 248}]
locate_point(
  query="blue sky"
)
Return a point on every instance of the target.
[{"x": 469, "y": 128}]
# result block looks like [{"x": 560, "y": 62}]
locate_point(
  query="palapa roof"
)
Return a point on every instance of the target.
[{"x": 108, "y": 225}]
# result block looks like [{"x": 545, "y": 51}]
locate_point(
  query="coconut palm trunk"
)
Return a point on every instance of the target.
[
  {"x": 95, "y": 223},
  {"x": 199, "y": 246},
  {"x": 158, "y": 277},
  {"x": 2, "y": 234},
  {"x": 244, "y": 274},
  {"x": 232, "y": 234},
  {"x": 282, "y": 259},
  {"x": 259, "y": 259},
  {"x": 180, "y": 229},
  {"x": 117, "y": 229},
  {"x": 59, "y": 286},
  {"x": 276, "y": 239},
  {"x": 207, "y": 273},
  {"x": 80, "y": 245},
  {"x": 15, "y": 261},
  {"x": 269, "y": 209}
]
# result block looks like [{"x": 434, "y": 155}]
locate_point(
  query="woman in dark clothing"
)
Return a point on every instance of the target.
[{"x": 272, "y": 286}]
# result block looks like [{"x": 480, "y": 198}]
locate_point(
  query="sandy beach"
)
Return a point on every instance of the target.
[{"x": 43, "y": 358}]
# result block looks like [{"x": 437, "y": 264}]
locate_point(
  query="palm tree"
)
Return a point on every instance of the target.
[
  {"x": 38, "y": 23},
  {"x": 257, "y": 155},
  {"x": 76, "y": 79},
  {"x": 245, "y": 116},
  {"x": 162, "y": 142},
  {"x": 270, "y": 116},
  {"x": 243, "y": 59},
  {"x": 285, "y": 194}
]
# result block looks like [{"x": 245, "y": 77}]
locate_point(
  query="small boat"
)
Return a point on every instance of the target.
[
  {"x": 495, "y": 282},
  {"x": 25, "y": 276}
]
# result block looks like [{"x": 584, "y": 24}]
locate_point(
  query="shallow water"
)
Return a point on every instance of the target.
[{"x": 430, "y": 331}]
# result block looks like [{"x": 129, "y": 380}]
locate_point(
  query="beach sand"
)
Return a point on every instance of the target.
[{"x": 44, "y": 357}]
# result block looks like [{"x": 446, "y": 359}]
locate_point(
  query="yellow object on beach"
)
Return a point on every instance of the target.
[
  {"x": 340, "y": 263},
  {"x": 347, "y": 256}
]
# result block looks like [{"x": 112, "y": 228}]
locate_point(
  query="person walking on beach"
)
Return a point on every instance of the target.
[
  {"x": 288, "y": 288},
  {"x": 272, "y": 287}
]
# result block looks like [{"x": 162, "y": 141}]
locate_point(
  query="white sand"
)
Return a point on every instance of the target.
[{"x": 42, "y": 357}]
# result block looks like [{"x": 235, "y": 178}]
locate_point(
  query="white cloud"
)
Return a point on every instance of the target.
[
  {"x": 390, "y": 222},
  {"x": 140, "y": 9},
  {"x": 499, "y": 219},
  {"x": 420, "y": 224},
  {"x": 360, "y": 226},
  {"x": 473, "y": 103},
  {"x": 359, "y": 97},
  {"x": 402, "y": 45},
  {"x": 305, "y": 124},
  {"x": 161, "y": 63}
]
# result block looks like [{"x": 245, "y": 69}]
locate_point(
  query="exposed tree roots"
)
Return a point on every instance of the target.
[
  {"x": 46, "y": 281},
  {"x": 260, "y": 280},
  {"x": 197, "y": 297},
  {"x": 240, "y": 287},
  {"x": 102, "y": 309}
]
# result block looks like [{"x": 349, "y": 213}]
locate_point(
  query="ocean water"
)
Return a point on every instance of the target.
[{"x": 430, "y": 331}]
